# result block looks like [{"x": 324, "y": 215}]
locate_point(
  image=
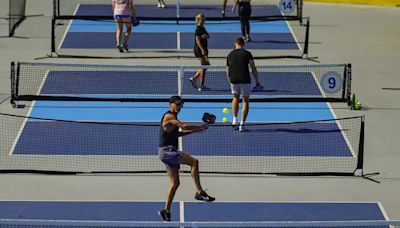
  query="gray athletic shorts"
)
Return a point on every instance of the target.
[
  {"x": 170, "y": 156},
  {"x": 241, "y": 89}
]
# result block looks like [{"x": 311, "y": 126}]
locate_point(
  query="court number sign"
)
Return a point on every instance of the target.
[
  {"x": 331, "y": 82},
  {"x": 287, "y": 6}
]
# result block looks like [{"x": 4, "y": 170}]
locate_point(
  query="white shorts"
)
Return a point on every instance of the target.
[{"x": 241, "y": 89}]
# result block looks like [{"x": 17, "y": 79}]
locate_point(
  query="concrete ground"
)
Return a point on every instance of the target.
[{"x": 366, "y": 36}]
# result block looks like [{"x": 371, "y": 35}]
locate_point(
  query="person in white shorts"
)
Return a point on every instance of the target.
[{"x": 238, "y": 75}]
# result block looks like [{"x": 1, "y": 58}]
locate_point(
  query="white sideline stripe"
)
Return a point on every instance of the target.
[
  {"x": 181, "y": 211},
  {"x": 178, "y": 40},
  {"x": 385, "y": 215},
  {"x": 294, "y": 36},
  {"x": 344, "y": 135},
  {"x": 29, "y": 114},
  {"x": 21, "y": 130},
  {"x": 68, "y": 27},
  {"x": 335, "y": 117}
]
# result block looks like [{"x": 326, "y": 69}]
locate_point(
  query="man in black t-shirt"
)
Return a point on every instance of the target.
[{"x": 237, "y": 72}]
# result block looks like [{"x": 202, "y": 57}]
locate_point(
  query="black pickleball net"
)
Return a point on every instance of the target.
[
  {"x": 82, "y": 82},
  {"x": 328, "y": 147}
]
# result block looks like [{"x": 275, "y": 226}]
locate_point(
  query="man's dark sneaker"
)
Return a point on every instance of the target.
[
  {"x": 165, "y": 215},
  {"x": 203, "y": 196},
  {"x": 125, "y": 47},
  {"x": 120, "y": 48}
]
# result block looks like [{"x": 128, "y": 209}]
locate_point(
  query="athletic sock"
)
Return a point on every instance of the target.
[{"x": 234, "y": 121}]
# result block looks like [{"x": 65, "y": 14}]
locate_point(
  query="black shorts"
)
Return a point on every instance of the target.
[{"x": 197, "y": 52}]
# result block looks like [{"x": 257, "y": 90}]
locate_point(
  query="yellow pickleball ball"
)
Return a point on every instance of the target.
[
  {"x": 224, "y": 120},
  {"x": 225, "y": 110},
  {"x": 357, "y": 105}
]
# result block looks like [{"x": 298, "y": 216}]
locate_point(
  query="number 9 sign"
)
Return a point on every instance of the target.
[
  {"x": 331, "y": 82},
  {"x": 287, "y": 6}
]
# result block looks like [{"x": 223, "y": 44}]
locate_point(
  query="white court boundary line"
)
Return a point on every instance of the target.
[
  {"x": 290, "y": 28},
  {"x": 68, "y": 27},
  {"x": 335, "y": 117},
  {"x": 181, "y": 211},
  {"x": 344, "y": 135},
  {"x": 384, "y": 213},
  {"x": 28, "y": 115},
  {"x": 21, "y": 130},
  {"x": 178, "y": 40},
  {"x": 294, "y": 35}
]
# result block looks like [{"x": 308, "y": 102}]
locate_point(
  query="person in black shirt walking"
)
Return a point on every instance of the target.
[
  {"x": 244, "y": 14},
  {"x": 172, "y": 157},
  {"x": 201, "y": 52},
  {"x": 237, "y": 72}
]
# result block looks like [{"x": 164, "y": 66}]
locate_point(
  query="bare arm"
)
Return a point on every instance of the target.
[
  {"x": 171, "y": 119},
  {"x": 255, "y": 73},
  {"x": 113, "y": 6},
  {"x": 235, "y": 2},
  {"x": 228, "y": 74}
]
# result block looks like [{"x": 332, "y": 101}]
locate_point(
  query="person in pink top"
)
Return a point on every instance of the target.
[{"x": 122, "y": 15}]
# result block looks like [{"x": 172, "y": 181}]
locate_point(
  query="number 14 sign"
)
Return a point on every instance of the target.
[{"x": 287, "y": 6}]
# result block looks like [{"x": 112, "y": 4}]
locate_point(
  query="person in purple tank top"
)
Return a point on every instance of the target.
[{"x": 123, "y": 15}]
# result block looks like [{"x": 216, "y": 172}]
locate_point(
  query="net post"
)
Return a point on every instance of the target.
[
  {"x": 54, "y": 8},
  {"x": 307, "y": 39},
  {"x": 360, "y": 161},
  {"x": 344, "y": 84},
  {"x": 53, "y": 35},
  {"x": 300, "y": 9},
  {"x": 348, "y": 83},
  {"x": 58, "y": 8},
  {"x": 13, "y": 89}
]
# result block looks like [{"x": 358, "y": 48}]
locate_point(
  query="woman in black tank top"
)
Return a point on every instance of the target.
[
  {"x": 244, "y": 15},
  {"x": 200, "y": 51}
]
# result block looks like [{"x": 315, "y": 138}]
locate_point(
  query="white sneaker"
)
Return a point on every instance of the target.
[
  {"x": 159, "y": 5},
  {"x": 162, "y": 5},
  {"x": 242, "y": 128}
]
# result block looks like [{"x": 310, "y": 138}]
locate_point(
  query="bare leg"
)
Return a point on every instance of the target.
[
  {"x": 224, "y": 4},
  {"x": 173, "y": 175},
  {"x": 119, "y": 31},
  {"x": 223, "y": 7},
  {"x": 245, "y": 109},
  {"x": 235, "y": 105},
  {"x": 200, "y": 71},
  {"x": 187, "y": 159},
  {"x": 202, "y": 77},
  {"x": 128, "y": 24}
]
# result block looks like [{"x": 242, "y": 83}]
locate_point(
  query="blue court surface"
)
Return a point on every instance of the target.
[
  {"x": 191, "y": 211},
  {"x": 166, "y": 84},
  {"x": 81, "y": 34},
  {"x": 38, "y": 137}
]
